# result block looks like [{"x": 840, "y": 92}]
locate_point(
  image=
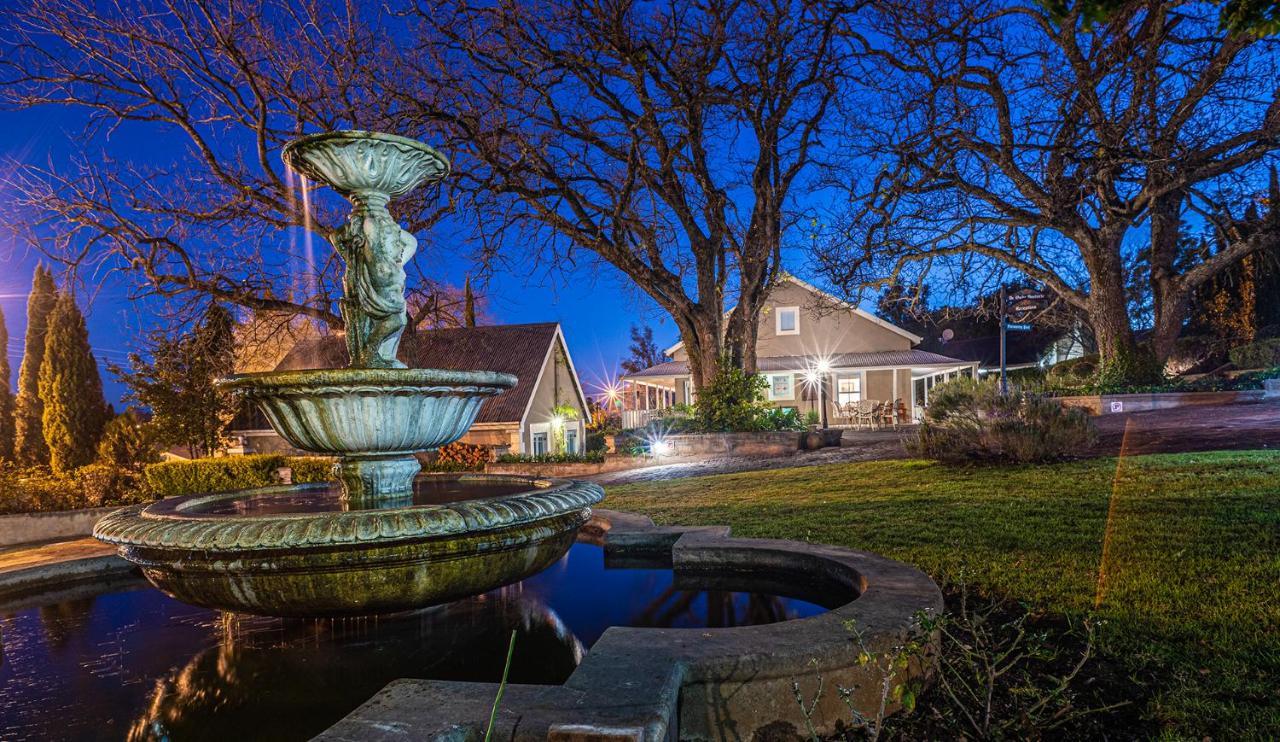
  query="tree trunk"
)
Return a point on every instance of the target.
[
  {"x": 1169, "y": 298},
  {"x": 1108, "y": 308}
]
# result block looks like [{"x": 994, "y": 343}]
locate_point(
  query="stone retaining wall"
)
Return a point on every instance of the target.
[
  {"x": 734, "y": 444},
  {"x": 1106, "y": 404},
  {"x": 32, "y": 527}
]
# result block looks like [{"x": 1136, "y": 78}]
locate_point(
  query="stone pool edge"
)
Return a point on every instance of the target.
[{"x": 688, "y": 684}]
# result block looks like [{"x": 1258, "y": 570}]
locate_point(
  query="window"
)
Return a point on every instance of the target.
[
  {"x": 571, "y": 441},
  {"x": 787, "y": 320},
  {"x": 848, "y": 390},
  {"x": 539, "y": 444},
  {"x": 780, "y": 387}
]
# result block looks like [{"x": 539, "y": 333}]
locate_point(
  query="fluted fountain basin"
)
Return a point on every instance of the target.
[
  {"x": 385, "y": 411},
  {"x": 304, "y": 550}
]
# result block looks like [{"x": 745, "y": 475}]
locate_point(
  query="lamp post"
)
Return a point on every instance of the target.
[{"x": 824, "y": 368}]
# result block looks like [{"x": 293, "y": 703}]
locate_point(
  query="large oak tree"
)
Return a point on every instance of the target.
[
  {"x": 1005, "y": 138},
  {"x": 666, "y": 139}
]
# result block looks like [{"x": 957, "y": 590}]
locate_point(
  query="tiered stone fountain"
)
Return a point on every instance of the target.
[{"x": 384, "y": 538}]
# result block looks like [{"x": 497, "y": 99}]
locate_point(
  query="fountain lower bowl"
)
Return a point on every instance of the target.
[{"x": 349, "y": 562}]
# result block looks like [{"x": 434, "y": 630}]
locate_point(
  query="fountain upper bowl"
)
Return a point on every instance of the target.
[
  {"x": 370, "y": 411},
  {"x": 365, "y": 161}
]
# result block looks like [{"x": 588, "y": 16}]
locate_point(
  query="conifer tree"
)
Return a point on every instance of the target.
[
  {"x": 74, "y": 409},
  {"x": 469, "y": 305},
  {"x": 29, "y": 445},
  {"x": 6, "y": 396},
  {"x": 178, "y": 383}
]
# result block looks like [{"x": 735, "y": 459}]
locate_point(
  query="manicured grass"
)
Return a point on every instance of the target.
[{"x": 1178, "y": 553}]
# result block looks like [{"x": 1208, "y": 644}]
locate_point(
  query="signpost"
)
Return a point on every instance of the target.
[{"x": 1015, "y": 314}]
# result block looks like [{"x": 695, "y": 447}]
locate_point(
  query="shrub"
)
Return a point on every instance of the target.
[
  {"x": 1072, "y": 373},
  {"x": 438, "y": 467},
  {"x": 970, "y": 421},
  {"x": 92, "y": 486},
  {"x": 104, "y": 484},
  {"x": 309, "y": 469},
  {"x": 778, "y": 418},
  {"x": 596, "y": 441},
  {"x": 1128, "y": 367},
  {"x": 593, "y": 457},
  {"x": 465, "y": 456},
  {"x": 1262, "y": 354},
  {"x": 128, "y": 442},
  {"x": 220, "y": 474},
  {"x": 733, "y": 401}
]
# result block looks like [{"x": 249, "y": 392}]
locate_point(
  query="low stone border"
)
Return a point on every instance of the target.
[
  {"x": 23, "y": 528},
  {"x": 690, "y": 684},
  {"x": 1107, "y": 404}
]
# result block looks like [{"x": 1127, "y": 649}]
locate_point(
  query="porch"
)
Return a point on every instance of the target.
[{"x": 848, "y": 390}]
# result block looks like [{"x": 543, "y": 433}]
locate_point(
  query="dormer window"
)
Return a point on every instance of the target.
[{"x": 787, "y": 320}]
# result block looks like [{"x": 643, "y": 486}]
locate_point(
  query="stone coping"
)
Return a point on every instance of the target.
[
  {"x": 173, "y": 523},
  {"x": 657, "y": 684},
  {"x": 57, "y": 565},
  {"x": 654, "y": 684}
]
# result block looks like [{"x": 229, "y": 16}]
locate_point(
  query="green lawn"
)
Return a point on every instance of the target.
[{"x": 1180, "y": 553}]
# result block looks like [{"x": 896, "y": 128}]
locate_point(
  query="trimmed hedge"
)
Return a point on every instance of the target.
[
  {"x": 591, "y": 457},
  {"x": 226, "y": 473}
]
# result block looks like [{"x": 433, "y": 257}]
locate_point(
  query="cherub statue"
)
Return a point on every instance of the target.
[{"x": 376, "y": 250}]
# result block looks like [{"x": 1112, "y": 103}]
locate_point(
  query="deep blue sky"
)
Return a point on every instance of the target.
[{"x": 595, "y": 304}]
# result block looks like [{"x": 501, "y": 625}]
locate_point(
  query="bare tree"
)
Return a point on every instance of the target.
[
  {"x": 1004, "y": 139},
  {"x": 663, "y": 138},
  {"x": 208, "y": 212}
]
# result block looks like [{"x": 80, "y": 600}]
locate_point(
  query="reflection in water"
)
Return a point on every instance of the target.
[
  {"x": 273, "y": 674},
  {"x": 133, "y": 663}
]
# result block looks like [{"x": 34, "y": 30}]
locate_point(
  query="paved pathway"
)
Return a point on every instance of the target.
[{"x": 20, "y": 557}]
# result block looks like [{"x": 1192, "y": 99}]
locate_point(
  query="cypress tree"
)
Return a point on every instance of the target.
[
  {"x": 468, "y": 304},
  {"x": 29, "y": 445},
  {"x": 74, "y": 408},
  {"x": 6, "y": 396}
]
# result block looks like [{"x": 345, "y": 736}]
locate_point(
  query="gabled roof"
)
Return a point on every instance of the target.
[
  {"x": 878, "y": 359},
  {"x": 839, "y": 302},
  {"x": 514, "y": 349}
]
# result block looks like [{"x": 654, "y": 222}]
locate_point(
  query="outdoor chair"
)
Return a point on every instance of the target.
[{"x": 866, "y": 413}]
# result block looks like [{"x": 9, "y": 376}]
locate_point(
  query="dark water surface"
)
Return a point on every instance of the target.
[
  {"x": 327, "y": 498},
  {"x": 128, "y": 662}
]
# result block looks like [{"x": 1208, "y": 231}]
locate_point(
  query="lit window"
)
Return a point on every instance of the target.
[
  {"x": 849, "y": 389},
  {"x": 780, "y": 387},
  {"x": 539, "y": 444},
  {"x": 571, "y": 441},
  {"x": 788, "y": 320}
]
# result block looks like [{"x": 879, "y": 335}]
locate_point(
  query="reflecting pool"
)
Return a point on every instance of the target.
[{"x": 125, "y": 661}]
